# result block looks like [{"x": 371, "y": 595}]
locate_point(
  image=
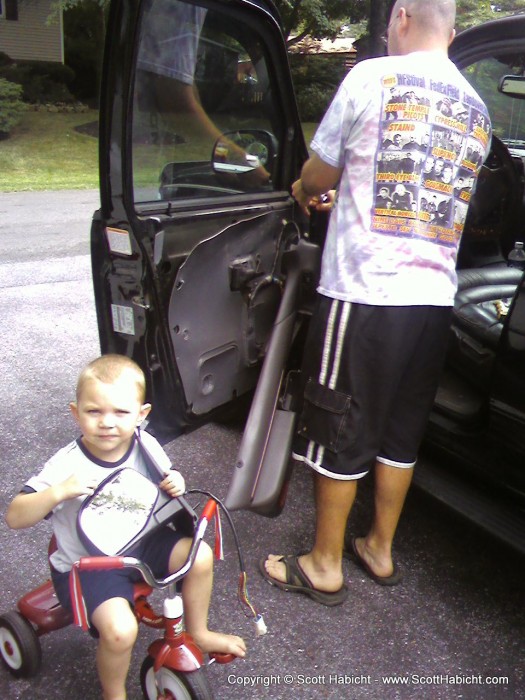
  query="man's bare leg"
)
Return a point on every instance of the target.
[
  {"x": 391, "y": 488},
  {"x": 323, "y": 565}
]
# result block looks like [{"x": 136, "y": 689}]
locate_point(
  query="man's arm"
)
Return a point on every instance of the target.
[{"x": 317, "y": 177}]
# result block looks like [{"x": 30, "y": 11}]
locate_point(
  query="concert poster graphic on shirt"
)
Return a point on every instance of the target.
[{"x": 432, "y": 142}]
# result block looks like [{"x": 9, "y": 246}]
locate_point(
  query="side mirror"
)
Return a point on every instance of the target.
[
  {"x": 512, "y": 85},
  {"x": 119, "y": 510},
  {"x": 243, "y": 151},
  {"x": 125, "y": 508}
]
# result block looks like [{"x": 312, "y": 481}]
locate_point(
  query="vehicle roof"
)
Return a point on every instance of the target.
[{"x": 469, "y": 42}]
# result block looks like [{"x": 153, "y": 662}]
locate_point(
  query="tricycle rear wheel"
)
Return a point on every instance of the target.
[{"x": 19, "y": 645}]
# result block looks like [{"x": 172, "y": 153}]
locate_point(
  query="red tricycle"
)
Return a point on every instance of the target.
[{"x": 174, "y": 668}]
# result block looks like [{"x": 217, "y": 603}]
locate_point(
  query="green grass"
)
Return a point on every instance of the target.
[
  {"x": 45, "y": 152},
  {"x": 308, "y": 131}
]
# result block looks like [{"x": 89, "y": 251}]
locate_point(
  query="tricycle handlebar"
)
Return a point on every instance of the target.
[{"x": 105, "y": 562}]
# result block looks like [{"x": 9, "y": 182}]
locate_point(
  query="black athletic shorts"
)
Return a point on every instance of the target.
[{"x": 370, "y": 377}]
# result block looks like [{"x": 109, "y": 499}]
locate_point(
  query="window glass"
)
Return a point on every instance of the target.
[
  {"x": 507, "y": 113},
  {"x": 204, "y": 121}
]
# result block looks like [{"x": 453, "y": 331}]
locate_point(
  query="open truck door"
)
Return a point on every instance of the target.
[{"x": 198, "y": 259}]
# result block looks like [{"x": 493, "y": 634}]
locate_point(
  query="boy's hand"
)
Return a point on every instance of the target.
[
  {"x": 173, "y": 483},
  {"x": 75, "y": 486},
  {"x": 28, "y": 509}
]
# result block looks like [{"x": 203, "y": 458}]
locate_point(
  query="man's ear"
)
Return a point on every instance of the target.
[
  {"x": 402, "y": 18},
  {"x": 452, "y": 36},
  {"x": 144, "y": 412}
]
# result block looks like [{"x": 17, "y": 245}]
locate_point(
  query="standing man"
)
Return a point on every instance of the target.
[{"x": 379, "y": 332}]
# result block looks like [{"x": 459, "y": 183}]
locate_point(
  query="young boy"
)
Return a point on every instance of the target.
[{"x": 108, "y": 408}]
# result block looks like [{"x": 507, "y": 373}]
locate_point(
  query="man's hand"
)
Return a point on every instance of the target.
[
  {"x": 317, "y": 178},
  {"x": 326, "y": 201},
  {"x": 322, "y": 202},
  {"x": 304, "y": 200}
]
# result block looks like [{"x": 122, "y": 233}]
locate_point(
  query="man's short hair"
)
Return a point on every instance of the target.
[{"x": 431, "y": 15}]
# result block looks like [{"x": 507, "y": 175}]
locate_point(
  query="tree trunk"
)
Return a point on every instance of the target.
[{"x": 373, "y": 44}]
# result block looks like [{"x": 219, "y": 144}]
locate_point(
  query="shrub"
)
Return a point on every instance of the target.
[
  {"x": 11, "y": 106},
  {"x": 41, "y": 81},
  {"x": 5, "y": 60},
  {"x": 316, "y": 78},
  {"x": 84, "y": 29},
  {"x": 312, "y": 102}
]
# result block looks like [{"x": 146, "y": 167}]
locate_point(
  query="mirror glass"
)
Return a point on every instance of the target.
[
  {"x": 513, "y": 85},
  {"x": 118, "y": 511},
  {"x": 242, "y": 151}
]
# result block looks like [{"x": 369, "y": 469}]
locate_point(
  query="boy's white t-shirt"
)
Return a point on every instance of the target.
[
  {"x": 394, "y": 230},
  {"x": 74, "y": 459}
]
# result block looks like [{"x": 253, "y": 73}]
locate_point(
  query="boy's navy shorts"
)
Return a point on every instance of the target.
[
  {"x": 370, "y": 379},
  {"x": 99, "y": 586}
]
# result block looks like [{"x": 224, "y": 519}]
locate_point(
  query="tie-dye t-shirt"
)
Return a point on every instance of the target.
[
  {"x": 170, "y": 40},
  {"x": 411, "y": 135}
]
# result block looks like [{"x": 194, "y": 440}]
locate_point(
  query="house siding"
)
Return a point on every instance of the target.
[{"x": 31, "y": 37}]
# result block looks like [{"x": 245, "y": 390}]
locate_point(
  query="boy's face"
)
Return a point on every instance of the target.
[{"x": 108, "y": 415}]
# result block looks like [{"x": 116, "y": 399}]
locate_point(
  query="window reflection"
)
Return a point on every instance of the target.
[
  {"x": 199, "y": 75},
  {"x": 507, "y": 113}
]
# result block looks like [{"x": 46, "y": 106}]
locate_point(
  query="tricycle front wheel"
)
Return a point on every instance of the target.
[{"x": 175, "y": 685}]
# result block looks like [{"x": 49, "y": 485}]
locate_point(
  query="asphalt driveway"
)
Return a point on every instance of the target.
[{"x": 455, "y": 627}]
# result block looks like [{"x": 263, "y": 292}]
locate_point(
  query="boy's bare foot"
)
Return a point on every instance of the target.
[{"x": 219, "y": 643}]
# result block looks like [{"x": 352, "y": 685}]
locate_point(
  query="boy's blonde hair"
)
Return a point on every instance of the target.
[{"x": 109, "y": 368}]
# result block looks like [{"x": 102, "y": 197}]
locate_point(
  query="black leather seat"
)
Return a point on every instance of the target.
[{"x": 483, "y": 293}]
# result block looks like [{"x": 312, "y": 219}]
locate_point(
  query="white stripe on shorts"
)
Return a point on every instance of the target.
[
  {"x": 332, "y": 475},
  {"x": 345, "y": 314},
  {"x": 398, "y": 465},
  {"x": 329, "y": 370}
]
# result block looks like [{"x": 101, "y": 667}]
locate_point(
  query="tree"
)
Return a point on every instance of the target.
[
  {"x": 68, "y": 4},
  {"x": 372, "y": 43},
  {"x": 473, "y": 12},
  {"x": 84, "y": 29},
  {"x": 318, "y": 18},
  {"x": 509, "y": 7},
  {"x": 469, "y": 13}
]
